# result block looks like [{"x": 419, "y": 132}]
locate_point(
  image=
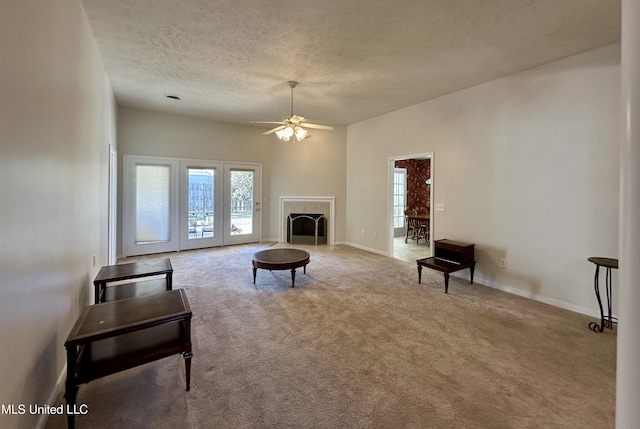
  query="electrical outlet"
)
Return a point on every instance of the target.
[
  {"x": 440, "y": 207},
  {"x": 503, "y": 262},
  {"x": 362, "y": 232},
  {"x": 375, "y": 235}
]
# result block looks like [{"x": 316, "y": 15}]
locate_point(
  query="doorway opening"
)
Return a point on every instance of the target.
[{"x": 414, "y": 174}]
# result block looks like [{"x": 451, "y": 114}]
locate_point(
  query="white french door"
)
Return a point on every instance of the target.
[
  {"x": 174, "y": 204},
  {"x": 242, "y": 203},
  {"x": 200, "y": 204}
]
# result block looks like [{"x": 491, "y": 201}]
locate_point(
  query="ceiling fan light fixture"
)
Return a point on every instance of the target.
[
  {"x": 285, "y": 133},
  {"x": 293, "y": 125},
  {"x": 301, "y": 133},
  {"x": 288, "y": 132}
]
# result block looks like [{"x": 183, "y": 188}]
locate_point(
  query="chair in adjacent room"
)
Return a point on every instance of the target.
[
  {"x": 422, "y": 225},
  {"x": 410, "y": 224}
]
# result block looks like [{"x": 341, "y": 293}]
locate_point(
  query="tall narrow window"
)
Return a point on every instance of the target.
[
  {"x": 152, "y": 203},
  {"x": 399, "y": 199}
]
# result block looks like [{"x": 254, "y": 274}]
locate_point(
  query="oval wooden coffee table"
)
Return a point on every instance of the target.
[{"x": 280, "y": 259}]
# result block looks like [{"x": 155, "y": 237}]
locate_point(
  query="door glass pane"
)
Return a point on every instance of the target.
[
  {"x": 201, "y": 203},
  {"x": 241, "y": 202},
  {"x": 152, "y": 203}
]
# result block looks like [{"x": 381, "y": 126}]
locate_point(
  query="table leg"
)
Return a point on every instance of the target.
[
  {"x": 419, "y": 273},
  {"x": 472, "y": 269},
  {"x": 254, "y": 274},
  {"x": 70, "y": 386},
  {"x": 97, "y": 290},
  {"x": 593, "y": 325},
  {"x": 293, "y": 277},
  {"x": 608, "y": 321},
  {"x": 169, "y": 280},
  {"x": 187, "y": 355},
  {"x": 187, "y": 368},
  {"x": 446, "y": 282}
]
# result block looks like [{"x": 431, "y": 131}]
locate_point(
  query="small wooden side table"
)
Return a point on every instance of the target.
[
  {"x": 133, "y": 270},
  {"x": 608, "y": 320},
  {"x": 117, "y": 335}
]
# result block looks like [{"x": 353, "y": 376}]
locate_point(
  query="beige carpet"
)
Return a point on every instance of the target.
[{"x": 359, "y": 344}]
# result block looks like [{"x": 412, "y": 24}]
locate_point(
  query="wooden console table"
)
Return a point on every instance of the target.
[
  {"x": 114, "y": 336},
  {"x": 133, "y": 270},
  {"x": 449, "y": 256}
]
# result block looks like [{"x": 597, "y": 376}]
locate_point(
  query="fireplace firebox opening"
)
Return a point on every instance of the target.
[{"x": 306, "y": 228}]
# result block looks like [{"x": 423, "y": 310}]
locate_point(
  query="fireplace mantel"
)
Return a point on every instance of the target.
[{"x": 325, "y": 205}]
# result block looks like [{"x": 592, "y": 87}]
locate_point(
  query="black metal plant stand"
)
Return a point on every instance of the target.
[{"x": 606, "y": 321}]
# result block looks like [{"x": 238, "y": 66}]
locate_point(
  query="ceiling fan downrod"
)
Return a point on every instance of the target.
[{"x": 292, "y": 84}]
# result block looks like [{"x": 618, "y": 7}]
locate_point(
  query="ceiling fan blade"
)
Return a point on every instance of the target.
[
  {"x": 266, "y": 122},
  {"x": 274, "y": 130},
  {"x": 316, "y": 126}
]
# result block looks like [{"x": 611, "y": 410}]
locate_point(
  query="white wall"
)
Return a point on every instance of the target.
[
  {"x": 527, "y": 167},
  {"x": 313, "y": 167},
  {"x": 57, "y": 119}
]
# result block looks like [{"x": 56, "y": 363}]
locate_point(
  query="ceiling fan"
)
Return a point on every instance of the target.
[{"x": 294, "y": 125}]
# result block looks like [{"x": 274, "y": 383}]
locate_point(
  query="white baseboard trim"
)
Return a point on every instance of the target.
[
  {"x": 540, "y": 298},
  {"x": 42, "y": 422},
  {"x": 358, "y": 246},
  {"x": 514, "y": 291}
]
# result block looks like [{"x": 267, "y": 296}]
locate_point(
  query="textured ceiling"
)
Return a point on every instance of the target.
[{"x": 230, "y": 60}]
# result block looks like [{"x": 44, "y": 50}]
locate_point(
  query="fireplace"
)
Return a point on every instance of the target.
[
  {"x": 313, "y": 206},
  {"x": 306, "y": 228}
]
